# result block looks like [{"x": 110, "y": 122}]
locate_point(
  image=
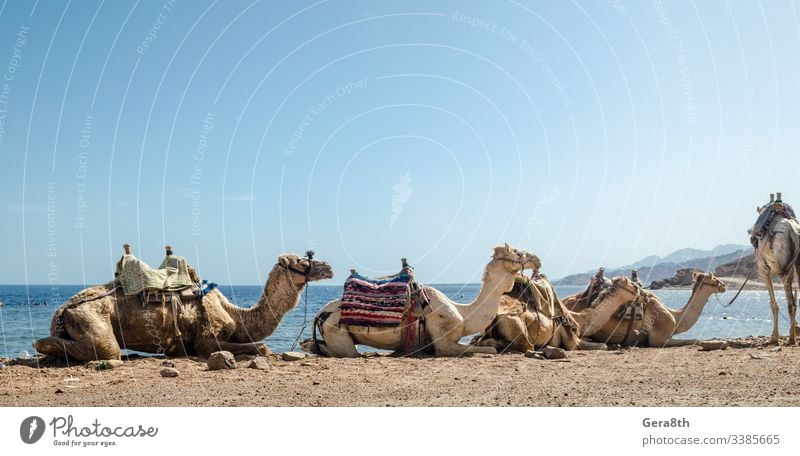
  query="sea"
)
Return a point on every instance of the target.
[{"x": 27, "y": 310}]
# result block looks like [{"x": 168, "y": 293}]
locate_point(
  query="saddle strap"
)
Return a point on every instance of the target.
[{"x": 631, "y": 322}]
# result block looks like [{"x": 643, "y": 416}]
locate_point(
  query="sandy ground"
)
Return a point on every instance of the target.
[{"x": 631, "y": 377}]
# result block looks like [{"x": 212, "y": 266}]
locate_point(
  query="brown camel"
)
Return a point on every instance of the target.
[
  {"x": 98, "y": 321},
  {"x": 653, "y": 324},
  {"x": 531, "y": 316}
]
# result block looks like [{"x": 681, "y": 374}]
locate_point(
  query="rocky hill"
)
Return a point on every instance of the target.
[
  {"x": 740, "y": 267},
  {"x": 655, "y": 268}
]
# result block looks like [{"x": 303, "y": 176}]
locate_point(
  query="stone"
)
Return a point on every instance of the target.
[
  {"x": 167, "y": 364},
  {"x": 534, "y": 354},
  {"x": 259, "y": 363},
  {"x": 758, "y": 355},
  {"x": 709, "y": 345},
  {"x": 292, "y": 356},
  {"x": 59, "y": 391},
  {"x": 169, "y": 372},
  {"x": 221, "y": 360},
  {"x": 106, "y": 364},
  {"x": 554, "y": 353}
]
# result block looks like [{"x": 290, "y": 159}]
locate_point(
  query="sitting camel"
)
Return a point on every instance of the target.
[
  {"x": 446, "y": 322},
  {"x": 98, "y": 321},
  {"x": 531, "y": 316},
  {"x": 656, "y": 323}
]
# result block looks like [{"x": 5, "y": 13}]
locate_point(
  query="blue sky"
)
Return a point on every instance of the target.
[{"x": 590, "y": 133}]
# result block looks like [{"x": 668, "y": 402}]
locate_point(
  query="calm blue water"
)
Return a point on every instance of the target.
[{"x": 21, "y": 323}]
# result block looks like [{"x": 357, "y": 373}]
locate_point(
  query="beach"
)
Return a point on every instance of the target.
[{"x": 682, "y": 376}]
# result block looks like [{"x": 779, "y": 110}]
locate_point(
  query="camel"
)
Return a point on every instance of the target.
[
  {"x": 656, "y": 324},
  {"x": 776, "y": 236},
  {"x": 533, "y": 317},
  {"x": 98, "y": 321},
  {"x": 446, "y": 322}
]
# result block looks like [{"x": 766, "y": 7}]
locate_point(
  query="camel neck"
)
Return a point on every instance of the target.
[
  {"x": 479, "y": 313},
  {"x": 686, "y": 317},
  {"x": 280, "y": 296}
]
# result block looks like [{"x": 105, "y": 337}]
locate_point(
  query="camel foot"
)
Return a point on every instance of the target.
[
  {"x": 792, "y": 342},
  {"x": 774, "y": 341}
]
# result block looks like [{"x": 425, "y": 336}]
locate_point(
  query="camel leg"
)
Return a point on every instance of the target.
[
  {"x": 92, "y": 337},
  {"x": 773, "y": 304},
  {"x": 788, "y": 288},
  {"x": 207, "y": 347},
  {"x": 587, "y": 345},
  {"x": 64, "y": 349},
  {"x": 514, "y": 333},
  {"x": 445, "y": 335}
]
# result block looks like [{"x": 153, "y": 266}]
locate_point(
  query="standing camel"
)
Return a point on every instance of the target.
[
  {"x": 776, "y": 236},
  {"x": 446, "y": 321}
]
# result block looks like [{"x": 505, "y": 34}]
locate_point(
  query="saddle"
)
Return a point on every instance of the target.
[
  {"x": 173, "y": 283},
  {"x": 387, "y": 302},
  {"x": 766, "y": 217}
]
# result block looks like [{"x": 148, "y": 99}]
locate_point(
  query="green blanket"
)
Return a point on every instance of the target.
[{"x": 136, "y": 276}]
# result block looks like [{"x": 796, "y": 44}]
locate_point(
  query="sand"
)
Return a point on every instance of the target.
[{"x": 681, "y": 376}]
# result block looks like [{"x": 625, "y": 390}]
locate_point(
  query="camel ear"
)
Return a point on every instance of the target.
[
  {"x": 695, "y": 275},
  {"x": 508, "y": 248},
  {"x": 283, "y": 260}
]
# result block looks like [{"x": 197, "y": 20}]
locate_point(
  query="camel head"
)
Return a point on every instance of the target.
[
  {"x": 304, "y": 269},
  {"x": 516, "y": 260},
  {"x": 708, "y": 279},
  {"x": 626, "y": 285}
]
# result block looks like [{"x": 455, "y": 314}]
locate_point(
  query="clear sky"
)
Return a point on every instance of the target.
[{"x": 590, "y": 133}]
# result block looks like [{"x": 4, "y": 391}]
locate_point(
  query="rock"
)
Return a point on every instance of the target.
[
  {"x": 259, "y": 363},
  {"x": 59, "y": 391},
  {"x": 554, "y": 353},
  {"x": 292, "y": 356},
  {"x": 534, "y": 354},
  {"x": 105, "y": 364},
  {"x": 775, "y": 349},
  {"x": 169, "y": 372},
  {"x": 167, "y": 364},
  {"x": 709, "y": 345},
  {"x": 221, "y": 360},
  {"x": 758, "y": 355},
  {"x": 2, "y": 365}
]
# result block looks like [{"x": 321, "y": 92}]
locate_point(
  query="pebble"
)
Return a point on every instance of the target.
[
  {"x": 292, "y": 356},
  {"x": 168, "y": 364},
  {"x": 259, "y": 363},
  {"x": 221, "y": 360},
  {"x": 2, "y": 365},
  {"x": 758, "y": 355},
  {"x": 59, "y": 391},
  {"x": 169, "y": 372},
  {"x": 105, "y": 364}
]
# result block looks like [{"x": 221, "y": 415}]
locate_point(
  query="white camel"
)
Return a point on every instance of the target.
[
  {"x": 778, "y": 254},
  {"x": 446, "y": 321}
]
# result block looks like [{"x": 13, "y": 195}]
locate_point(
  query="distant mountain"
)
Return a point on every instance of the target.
[{"x": 657, "y": 268}]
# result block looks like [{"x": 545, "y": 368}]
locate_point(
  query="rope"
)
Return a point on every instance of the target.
[
  {"x": 740, "y": 288},
  {"x": 310, "y": 256}
]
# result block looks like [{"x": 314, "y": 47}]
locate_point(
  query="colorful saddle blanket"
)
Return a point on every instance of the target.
[{"x": 375, "y": 302}]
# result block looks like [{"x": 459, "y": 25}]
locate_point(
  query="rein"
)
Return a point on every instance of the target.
[
  {"x": 306, "y": 274},
  {"x": 749, "y": 276}
]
